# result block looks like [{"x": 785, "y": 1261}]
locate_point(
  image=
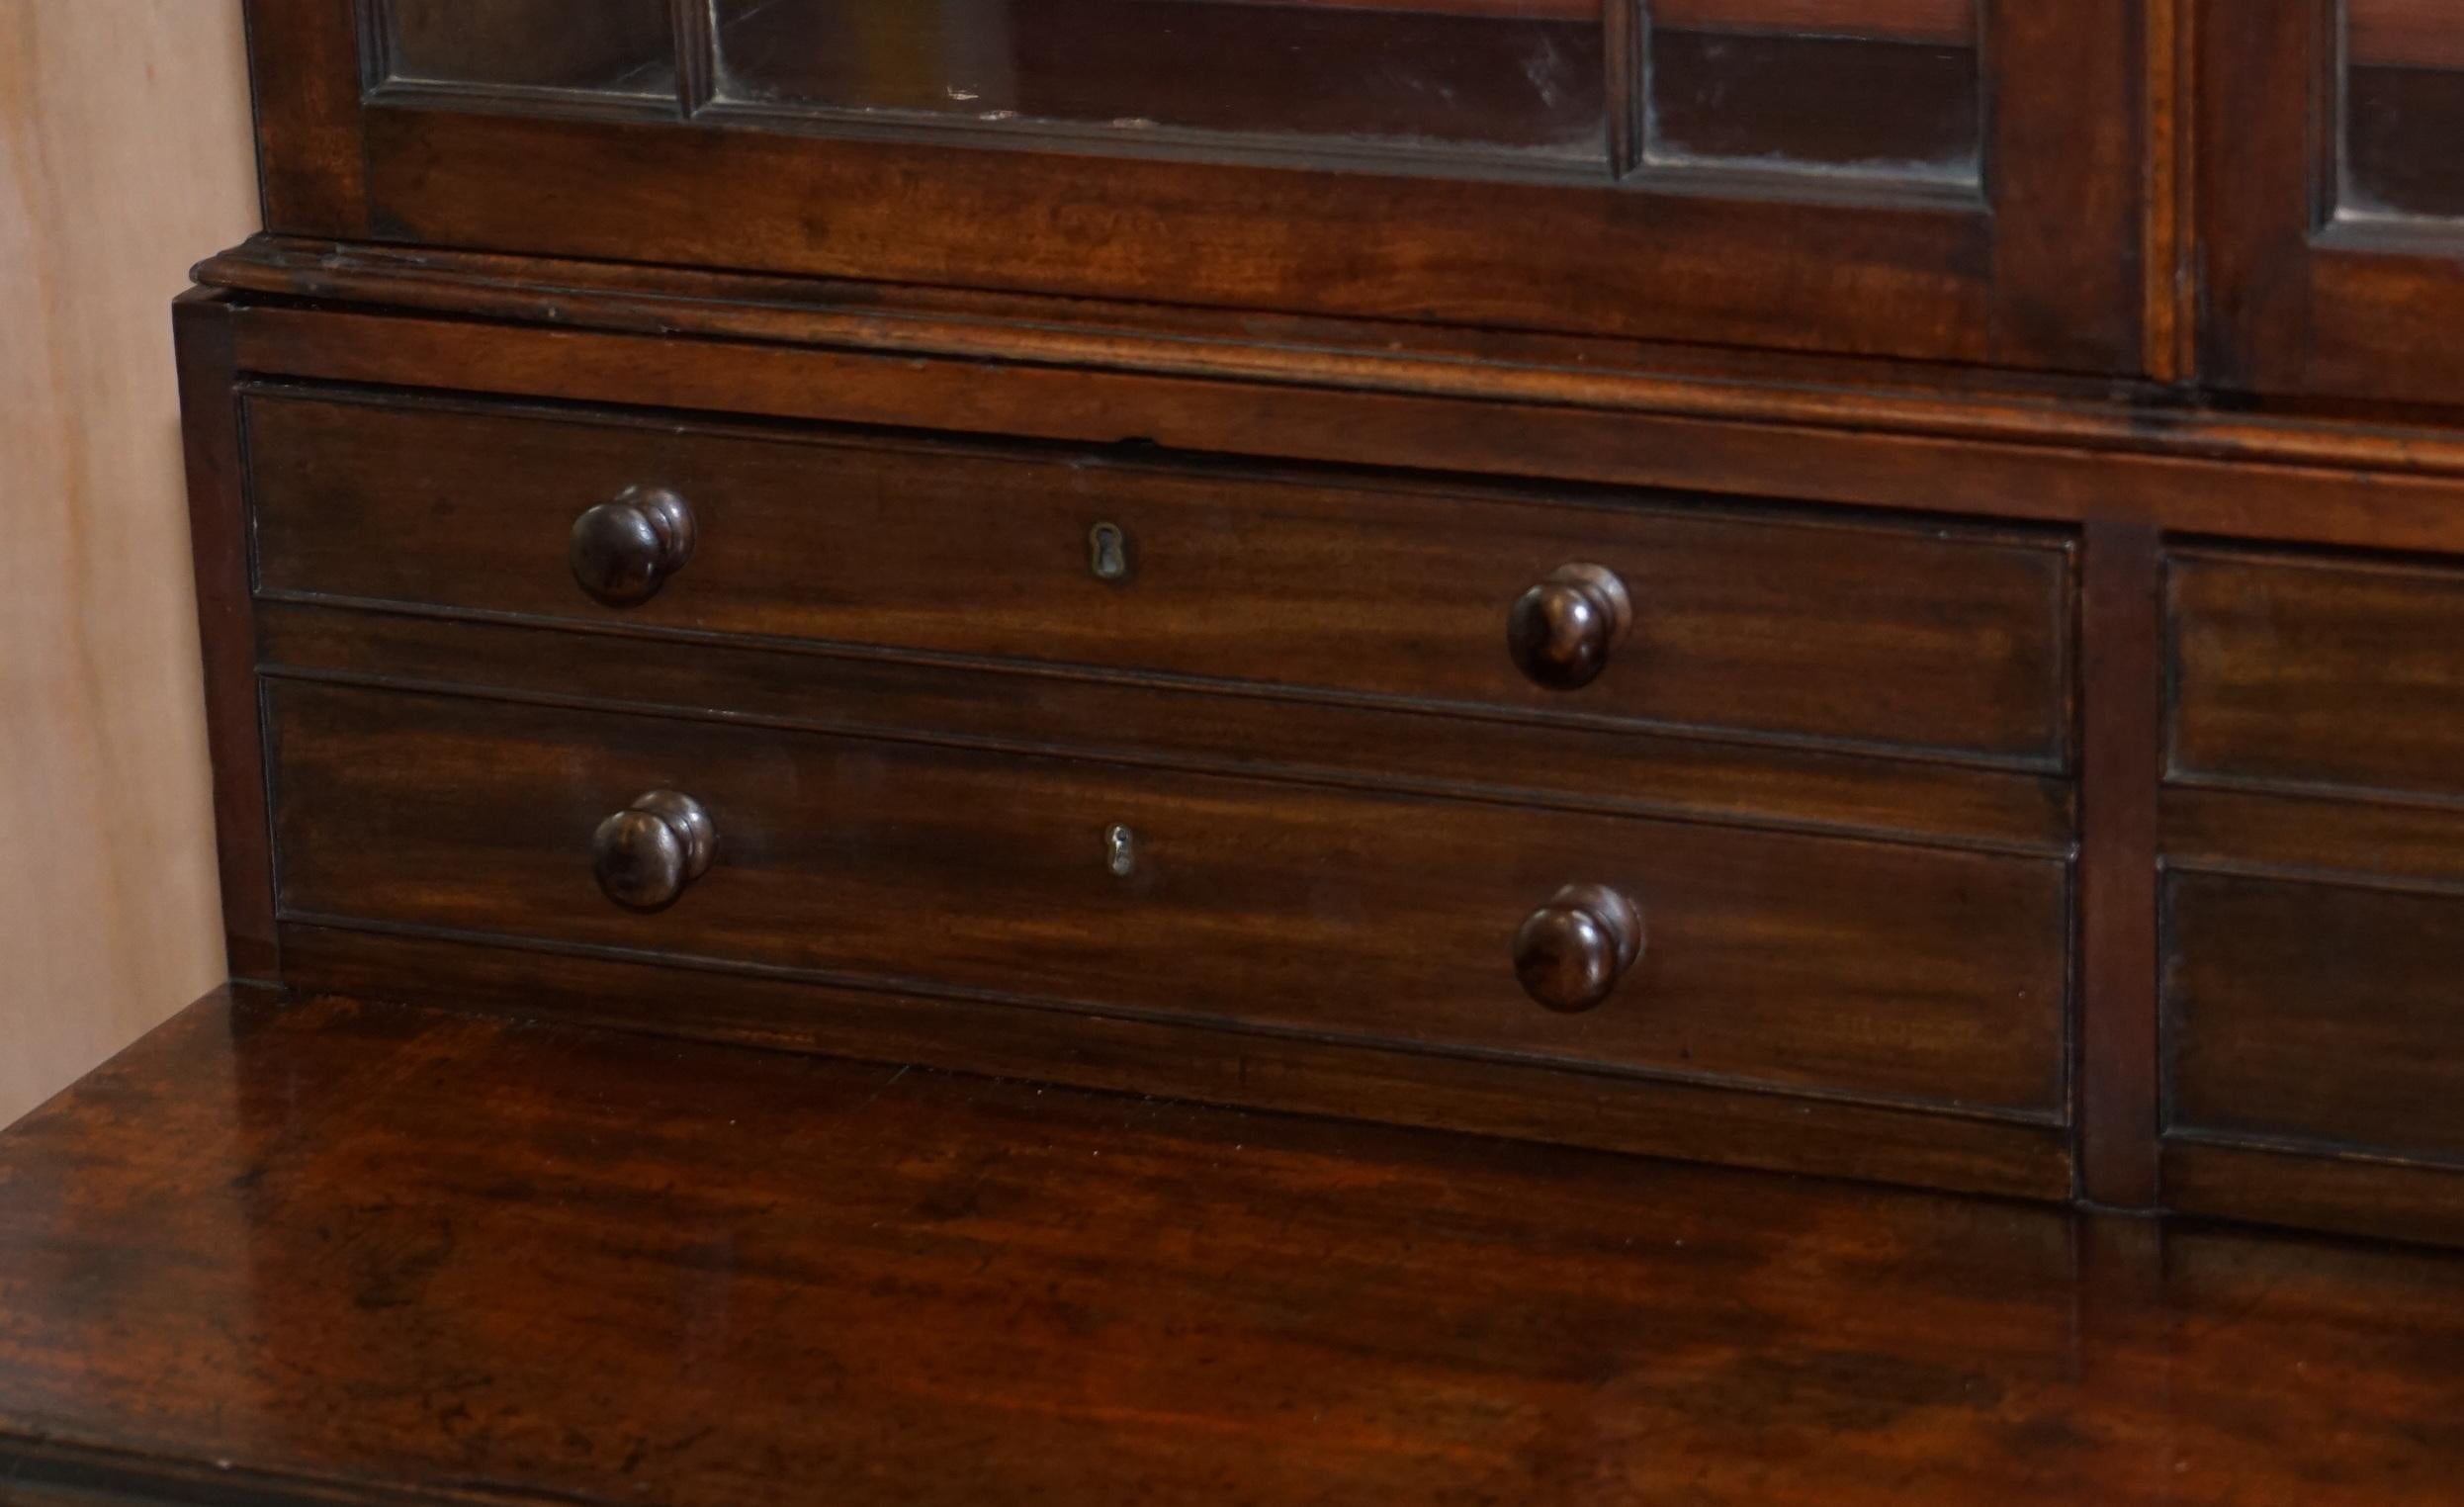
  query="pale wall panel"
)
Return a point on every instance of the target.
[{"x": 123, "y": 157}]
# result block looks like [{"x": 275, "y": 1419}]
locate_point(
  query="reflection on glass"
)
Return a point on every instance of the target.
[
  {"x": 1876, "y": 88},
  {"x": 2404, "y": 107},
  {"x": 1524, "y": 75},
  {"x": 598, "y": 47}
]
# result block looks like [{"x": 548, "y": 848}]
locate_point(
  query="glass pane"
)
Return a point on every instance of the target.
[
  {"x": 1523, "y": 75},
  {"x": 601, "y": 47},
  {"x": 1877, "y": 88},
  {"x": 2404, "y": 107}
]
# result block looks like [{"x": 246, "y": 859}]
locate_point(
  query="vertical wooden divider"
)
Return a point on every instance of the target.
[
  {"x": 2122, "y": 719},
  {"x": 226, "y": 609}
]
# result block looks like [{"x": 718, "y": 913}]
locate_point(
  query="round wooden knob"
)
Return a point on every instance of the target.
[
  {"x": 624, "y": 551},
  {"x": 1571, "y": 951},
  {"x": 646, "y": 855},
  {"x": 1561, "y": 631}
]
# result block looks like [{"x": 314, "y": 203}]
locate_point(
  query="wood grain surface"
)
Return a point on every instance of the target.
[
  {"x": 344, "y": 1254},
  {"x": 2316, "y": 1016},
  {"x": 124, "y": 151},
  {"x": 1863, "y": 969},
  {"x": 1947, "y": 640},
  {"x": 2321, "y": 670}
]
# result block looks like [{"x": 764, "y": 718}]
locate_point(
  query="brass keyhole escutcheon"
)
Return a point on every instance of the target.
[
  {"x": 1107, "y": 552},
  {"x": 1120, "y": 851}
]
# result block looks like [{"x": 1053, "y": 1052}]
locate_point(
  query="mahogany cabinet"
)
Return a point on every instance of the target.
[
  {"x": 1869, "y": 588},
  {"x": 1865, "y": 587}
]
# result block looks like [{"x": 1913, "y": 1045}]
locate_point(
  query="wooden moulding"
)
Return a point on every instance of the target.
[
  {"x": 2311, "y": 1187},
  {"x": 1314, "y": 390}
]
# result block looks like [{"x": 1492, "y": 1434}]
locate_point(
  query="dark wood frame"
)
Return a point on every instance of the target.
[
  {"x": 203, "y": 332},
  {"x": 2043, "y": 271},
  {"x": 2296, "y": 301}
]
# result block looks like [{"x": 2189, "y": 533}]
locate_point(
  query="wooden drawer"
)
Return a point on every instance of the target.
[
  {"x": 1872, "y": 969},
  {"x": 2321, "y": 672},
  {"x": 1942, "y": 638},
  {"x": 2324, "y": 1014}
]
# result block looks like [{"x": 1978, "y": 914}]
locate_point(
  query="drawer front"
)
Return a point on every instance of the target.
[
  {"x": 1876, "y": 969},
  {"x": 2326, "y": 1013},
  {"x": 1932, "y": 638},
  {"x": 2318, "y": 671}
]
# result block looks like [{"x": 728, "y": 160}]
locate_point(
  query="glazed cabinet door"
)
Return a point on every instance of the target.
[
  {"x": 1927, "y": 179},
  {"x": 2332, "y": 198}
]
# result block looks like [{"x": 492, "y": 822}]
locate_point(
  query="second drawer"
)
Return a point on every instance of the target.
[{"x": 1820, "y": 963}]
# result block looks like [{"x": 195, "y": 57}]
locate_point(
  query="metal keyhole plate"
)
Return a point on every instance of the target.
[{"x": 1107, "y": 552}]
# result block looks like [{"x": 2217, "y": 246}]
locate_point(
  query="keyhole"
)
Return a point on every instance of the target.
[
  {"x": 1107, "y": 552},
  {"x": 1120, "y": 851}
]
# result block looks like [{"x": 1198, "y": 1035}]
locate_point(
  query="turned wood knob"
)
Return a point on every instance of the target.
[
  {"x": 1561, "y": 631},
  {"x": 1571, "y": 951},
  {"x": 646, "y": 855},
  {"x": 624, "y": 551}
]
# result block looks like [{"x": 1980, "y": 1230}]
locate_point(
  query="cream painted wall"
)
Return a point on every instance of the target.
[{"x": 124, "y": 156}]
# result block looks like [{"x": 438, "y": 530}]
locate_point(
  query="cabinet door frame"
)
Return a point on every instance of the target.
[
  {"x": 2042, "y": 269},
  {"x": 2298, "y": 300}
]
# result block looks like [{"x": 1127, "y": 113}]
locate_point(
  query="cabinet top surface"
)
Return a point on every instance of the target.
[{"x": 336, "y": 1243}]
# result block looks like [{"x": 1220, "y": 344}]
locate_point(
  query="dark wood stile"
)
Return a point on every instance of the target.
[
  {"x": 312, "y": 160},
  {"x": 2121, "y": 672},
  {"x": 219, "y": 538},
  {"x": 2169, "y": 348}
]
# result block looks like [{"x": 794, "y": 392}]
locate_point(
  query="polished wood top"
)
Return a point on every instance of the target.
[{"x": 274, "y": 1253}]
